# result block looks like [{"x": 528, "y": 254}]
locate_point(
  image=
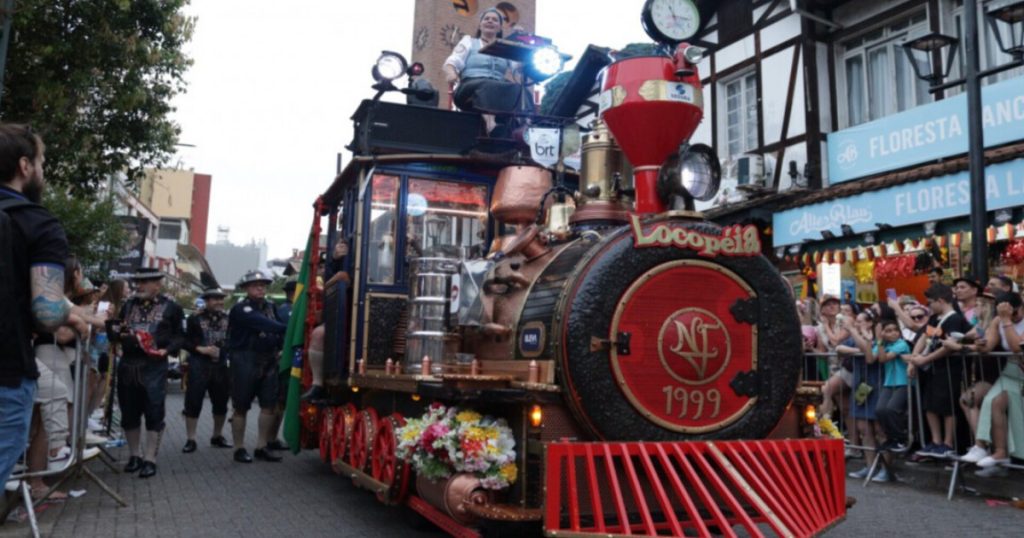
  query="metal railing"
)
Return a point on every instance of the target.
[
  {"x": 74, "y": 466},
  {"x": 962, "y": 371}
]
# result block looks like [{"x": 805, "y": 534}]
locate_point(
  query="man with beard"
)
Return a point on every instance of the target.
[
  {"x": 149, "y": 330},
  {"x": 32, "y": 252},
  {"x": 255, "y": 337},
  {"x": 207, "y": 368}
]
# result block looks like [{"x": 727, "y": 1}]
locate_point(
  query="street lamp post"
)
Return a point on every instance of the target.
[
  {"x": 976, "y": 145},
  {"x": 1012, "y": 15}
]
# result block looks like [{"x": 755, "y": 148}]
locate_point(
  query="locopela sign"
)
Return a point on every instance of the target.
[
  {"x": 925, "y": 133},
  {"x": 921, "y": 201}
]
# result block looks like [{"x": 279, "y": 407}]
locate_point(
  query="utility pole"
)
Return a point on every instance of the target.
[
  {"x": 6, "y": 17},
  {"x": 976, "y": 147}
]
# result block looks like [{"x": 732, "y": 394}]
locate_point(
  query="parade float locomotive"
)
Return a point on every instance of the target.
[{"x": 583, "y": 353}]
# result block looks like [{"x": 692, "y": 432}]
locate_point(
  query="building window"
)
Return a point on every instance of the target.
[
  {"x": 741, "y": 114},
  {"x": 169, "y": 230},
  {"x": 879, "y": 79},
  {"x": 989, "y": 53}
]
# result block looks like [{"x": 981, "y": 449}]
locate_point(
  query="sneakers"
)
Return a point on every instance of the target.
[
  {"x": 894, "y": 446},
  {"x": 93, "y": 439},
  {"x": 992, "y": 472},
  {"x": 861, "y": 474},
  {"x": 989, "y": 461},
  {"x": 95, "y": 425},
  {"x": 974, "y": 455},
  {"x": 936, "y": 451},
  {"x": 853, "y": 453},
  {"x": 882, "y": 476}
]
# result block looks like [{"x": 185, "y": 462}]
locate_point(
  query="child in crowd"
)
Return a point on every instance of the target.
[{"x": 892, "y": 402}]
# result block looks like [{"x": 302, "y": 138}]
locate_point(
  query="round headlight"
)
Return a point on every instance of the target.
[
  {"x": 692, "y": 173},
  {"x": 700, "y": 172},
  {"x": 390, "y": 66},
  {"x": 546, "y": 61}
]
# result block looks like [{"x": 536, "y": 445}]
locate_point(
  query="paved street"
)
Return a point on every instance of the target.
[{"x": 207, "y": 494}]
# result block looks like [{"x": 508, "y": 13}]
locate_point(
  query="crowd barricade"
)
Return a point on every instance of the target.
[
  {"x": 962, "y": 371},
  {"x": 77, "y": 428}
]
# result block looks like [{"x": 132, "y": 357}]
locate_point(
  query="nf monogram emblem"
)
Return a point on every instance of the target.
[{"x": 694, "y": 346}]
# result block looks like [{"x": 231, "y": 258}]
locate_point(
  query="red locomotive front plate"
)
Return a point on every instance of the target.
[{"x": 685, "y": 346}]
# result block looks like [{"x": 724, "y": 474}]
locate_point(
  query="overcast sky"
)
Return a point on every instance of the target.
[{"x": 274, "y": 84}]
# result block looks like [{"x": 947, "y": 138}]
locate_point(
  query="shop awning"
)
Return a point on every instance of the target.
[{"x": 931, "y": 192}]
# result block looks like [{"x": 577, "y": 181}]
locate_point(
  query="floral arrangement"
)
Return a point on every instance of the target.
[{"x": 448, "y": 440}]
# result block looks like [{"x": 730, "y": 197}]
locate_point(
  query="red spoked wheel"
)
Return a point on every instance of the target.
[
  {"x": 342, "y": 435},
  {"x": 363, "y": 431},
  {"x": 326, "y": 433},
  {"x": 386, "y": 466}
]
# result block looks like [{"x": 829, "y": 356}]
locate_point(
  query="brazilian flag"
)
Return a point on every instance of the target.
[{"x": 291, "y": 354}]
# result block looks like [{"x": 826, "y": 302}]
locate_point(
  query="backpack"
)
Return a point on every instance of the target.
[{"x": 10, "y": 328}]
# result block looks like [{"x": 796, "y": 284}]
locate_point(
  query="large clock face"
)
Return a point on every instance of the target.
[
  {"x": 451, "y": 35},
  {"x": 670, "y": 21}
]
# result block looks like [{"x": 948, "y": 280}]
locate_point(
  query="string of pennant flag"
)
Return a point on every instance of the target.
[{"x": 1004, "y": 232}]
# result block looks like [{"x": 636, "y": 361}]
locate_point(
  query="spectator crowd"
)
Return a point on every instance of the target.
[{"x": 937, "y": 380}]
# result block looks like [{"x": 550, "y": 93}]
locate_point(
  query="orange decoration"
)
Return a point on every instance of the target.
[
  {"x": 990, "y": 234},
  {"x": 955, "y": 239},
  {"x": 940, "y": 241}
]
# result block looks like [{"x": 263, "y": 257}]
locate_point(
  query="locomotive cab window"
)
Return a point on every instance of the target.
[
  {"x": 380, "y": 252},
  {"x": 446, "y": 219}
]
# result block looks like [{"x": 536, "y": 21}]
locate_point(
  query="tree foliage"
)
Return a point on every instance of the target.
[
  {"x": 95, "y": 234},
  {"x": 96, "y": 78}
]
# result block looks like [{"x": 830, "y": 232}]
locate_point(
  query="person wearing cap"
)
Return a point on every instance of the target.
[
  {"x": 1000, "y": 425},
  {"x": 207, "y": 368},
  {"x": 485, "y": 82},
  {"x": 149, "y": 330},
  {"x": 255, "y": 337},
  {"x": 940, "y": 370},
  {"x": 966, "y": 291}
]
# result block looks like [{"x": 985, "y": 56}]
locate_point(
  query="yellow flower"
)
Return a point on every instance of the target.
[
  {"x": 408, "y": 434},
  {"x": 509, "y": 472},
  {"x": 475, "y": 433},
  {"x": 467, "y": 416}
]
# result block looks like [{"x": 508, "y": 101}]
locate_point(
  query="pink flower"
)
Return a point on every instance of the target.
[{"x": 432, "y": 433}]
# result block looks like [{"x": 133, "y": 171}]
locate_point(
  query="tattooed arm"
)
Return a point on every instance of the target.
[{"x": 49, "y": 307}]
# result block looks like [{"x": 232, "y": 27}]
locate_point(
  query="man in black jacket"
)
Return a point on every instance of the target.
[
  {"x": 149, "y": 330},
  {"x": 33, "y": 248},
  {"x": 255, "y": 337},
  {"x": 206, "y": 335}
]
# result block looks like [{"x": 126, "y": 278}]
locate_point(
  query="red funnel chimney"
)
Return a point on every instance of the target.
[{"x": 651, "y": 104}]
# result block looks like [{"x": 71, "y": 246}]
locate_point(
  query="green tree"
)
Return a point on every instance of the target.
[
  {"x": 95, "y": 79},
  {"x": 95, "y": 234}
]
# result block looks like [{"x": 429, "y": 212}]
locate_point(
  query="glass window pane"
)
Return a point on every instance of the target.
[
  {"x": 855, "y": 90},
  {"x": 879, "y": 86},
  {"x": 446, "y": 219},
  {"x": 380, "y": 255},
  {"x": 904, "y": 81}
]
